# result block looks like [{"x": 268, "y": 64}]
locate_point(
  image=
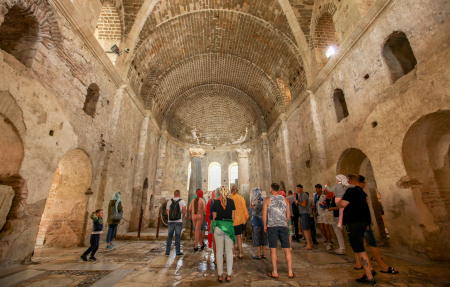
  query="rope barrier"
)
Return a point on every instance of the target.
[{"x": 163, "y": 221}]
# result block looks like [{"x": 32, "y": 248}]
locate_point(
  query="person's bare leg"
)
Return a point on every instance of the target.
[
  {"x": 290, "y": 241},
  {"x": 376, "y": 253},
  {"x": 239, "y": 240},
  {"x": 309, "y": 243},
  {"x": 358, "y": 262},
  {"x": 322, "y": 230},
  {"x": 288, "y": 255},
  {"x": 263, "y": 250},
  {"x": 273, "y": 258},
  {"x": 328, "y": 232},
  {"x": 258, "y": 249},
  {"x": 365, "y": 263}
]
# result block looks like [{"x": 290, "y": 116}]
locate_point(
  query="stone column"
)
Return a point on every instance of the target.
[
  {"x": 243, "y": 174},
  {"x": 267, "y": 175},
  {"x": 287, "y": 154},
  {"x": 196, "y": 173}
]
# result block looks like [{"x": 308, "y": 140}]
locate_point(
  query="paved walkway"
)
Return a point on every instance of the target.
[{"x": 136, "y": 264}]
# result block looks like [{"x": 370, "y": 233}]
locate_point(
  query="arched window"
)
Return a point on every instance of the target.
[
  {"x": 189, "y": 176},
  {"x": 285, "y": 91},
  {"x": 398, "y": 55},
  {"x": 109, "y": 30},
  {"x": 214, "y": 176},
  {"x": 233, "y": 173},
  {"x": 19, "y": 34},
  {"x": 90, "y": 104},
  {"x": 340, "y": 106},
  {"x": 325, "y": 40}
]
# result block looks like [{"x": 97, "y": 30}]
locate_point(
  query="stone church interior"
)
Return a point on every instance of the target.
[{"x": 145, "y": 97}]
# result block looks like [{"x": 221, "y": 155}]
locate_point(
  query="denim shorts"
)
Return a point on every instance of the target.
[
  {"x": 370, "y": 237},
  {"x": 304, "y": 217},
  {"x": 278, "y": 232}
]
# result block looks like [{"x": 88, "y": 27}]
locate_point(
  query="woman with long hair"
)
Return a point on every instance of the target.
[
  {"x": 223, "y": 216},
  {"x": 197, "y": 208}
]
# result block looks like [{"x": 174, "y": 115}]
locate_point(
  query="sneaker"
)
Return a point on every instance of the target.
[
  {"x": 340, "y": 251},
  {"x": 208, "y": 249},
  {"x": 366, "y": 280},
  {"x": 84, "y": 257},
  {"x": 329, "y": 246},
  {"x": 93, "y": 258},
  {"x": 180, "y": 254},
  {"x": 167, "y": 254},
  {"x": 108, "y": 247},
  {"x": 112, "y": 245}
]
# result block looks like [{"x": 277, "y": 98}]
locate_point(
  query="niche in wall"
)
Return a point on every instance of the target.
[
  {"x": 19, "y": 34},
  {"x": 340, "y": 106},
  {"x": 90, "y": 104},
  {"x": 398, "y": 55}
]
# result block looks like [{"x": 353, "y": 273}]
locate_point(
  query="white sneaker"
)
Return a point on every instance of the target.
[
  {"x": 340, "y": 251},
  {"x": 329, "y": 246},
  {"x": 208, "y": 249}
]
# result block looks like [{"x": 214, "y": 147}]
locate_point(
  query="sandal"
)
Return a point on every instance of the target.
[
  {"x": 270, "y": 275},
  {"x": 391, "y": 270},
  {"x": 293, "y": 275},
  {"x": 228, "y": 280},
  {"x": 358, "y": 268},
  {"x": 263, "y": 256},
  {"x": 220, "y": 278},
  {"x": 257, "y": 256}
]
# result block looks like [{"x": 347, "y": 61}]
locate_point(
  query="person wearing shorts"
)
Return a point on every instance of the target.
[
  {"x": 303, "y": 209},
  {"x": 240, "y": 218},
  {"x": 276, "y": 214},
  {"x": 321, "y": 205},
  {"x": 357, "y": 218}
]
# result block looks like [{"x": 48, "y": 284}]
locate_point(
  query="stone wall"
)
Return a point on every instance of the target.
[{"x": 380, "y": 114}]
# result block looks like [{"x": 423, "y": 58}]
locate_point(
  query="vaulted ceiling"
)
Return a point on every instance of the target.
[{"x": 182, "y": 47}]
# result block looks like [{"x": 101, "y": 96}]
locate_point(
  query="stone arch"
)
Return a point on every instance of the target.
[
  {"x": 63, "y": 223},
  {"x": 355, "y": 161},
  {"x": 24, "y": 24},
  {"x": 233, "y": 173},
  {"x": 398, "y": 55},
  {"x": 425, "y": 154},
  {"x": 324, "y": 35},
  {"x": 13, "y": 187}
]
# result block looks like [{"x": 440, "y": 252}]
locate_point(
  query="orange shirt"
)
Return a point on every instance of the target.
[{"x": 241, "y": 213}]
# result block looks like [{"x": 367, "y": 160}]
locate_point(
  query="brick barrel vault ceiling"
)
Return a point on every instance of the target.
[
  {"x": 215, "y": 68},
  {"x": 268, "y": 10},
  {"x": 303, "y": 10},
  {"x": 231, "y": 33},
  {"x": 214, "y": 115}
]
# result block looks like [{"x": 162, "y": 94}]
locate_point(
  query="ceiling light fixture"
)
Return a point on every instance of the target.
[{"x": 116, "y": 50}]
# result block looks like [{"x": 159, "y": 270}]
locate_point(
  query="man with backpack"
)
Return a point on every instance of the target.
[{"x": 176, "y": 211}]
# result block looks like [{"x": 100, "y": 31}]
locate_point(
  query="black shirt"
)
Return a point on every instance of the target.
[
  {"x": 221, "y": 213},
  {"x": 357, "y": 210}
]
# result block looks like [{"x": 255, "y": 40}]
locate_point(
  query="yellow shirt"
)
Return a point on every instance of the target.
[{"x": 241, "y": 213}]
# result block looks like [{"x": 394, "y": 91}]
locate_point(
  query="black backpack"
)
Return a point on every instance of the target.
[{"x": 174, "y": 210}]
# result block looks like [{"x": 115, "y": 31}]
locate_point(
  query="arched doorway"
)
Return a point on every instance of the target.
[
  {"x": 425, "y": 154},
  {"x": 63, "y": 223},
  {"x": 355, "y": 161},
  {"x": 11, "y": 156}
]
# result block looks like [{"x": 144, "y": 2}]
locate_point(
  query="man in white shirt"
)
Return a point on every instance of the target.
[{"x": 176, "y": 211}]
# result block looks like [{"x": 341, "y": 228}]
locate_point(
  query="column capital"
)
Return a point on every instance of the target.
[
  {"x": 196, "y": 152},
  {"x": 243, "y": 153}
]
